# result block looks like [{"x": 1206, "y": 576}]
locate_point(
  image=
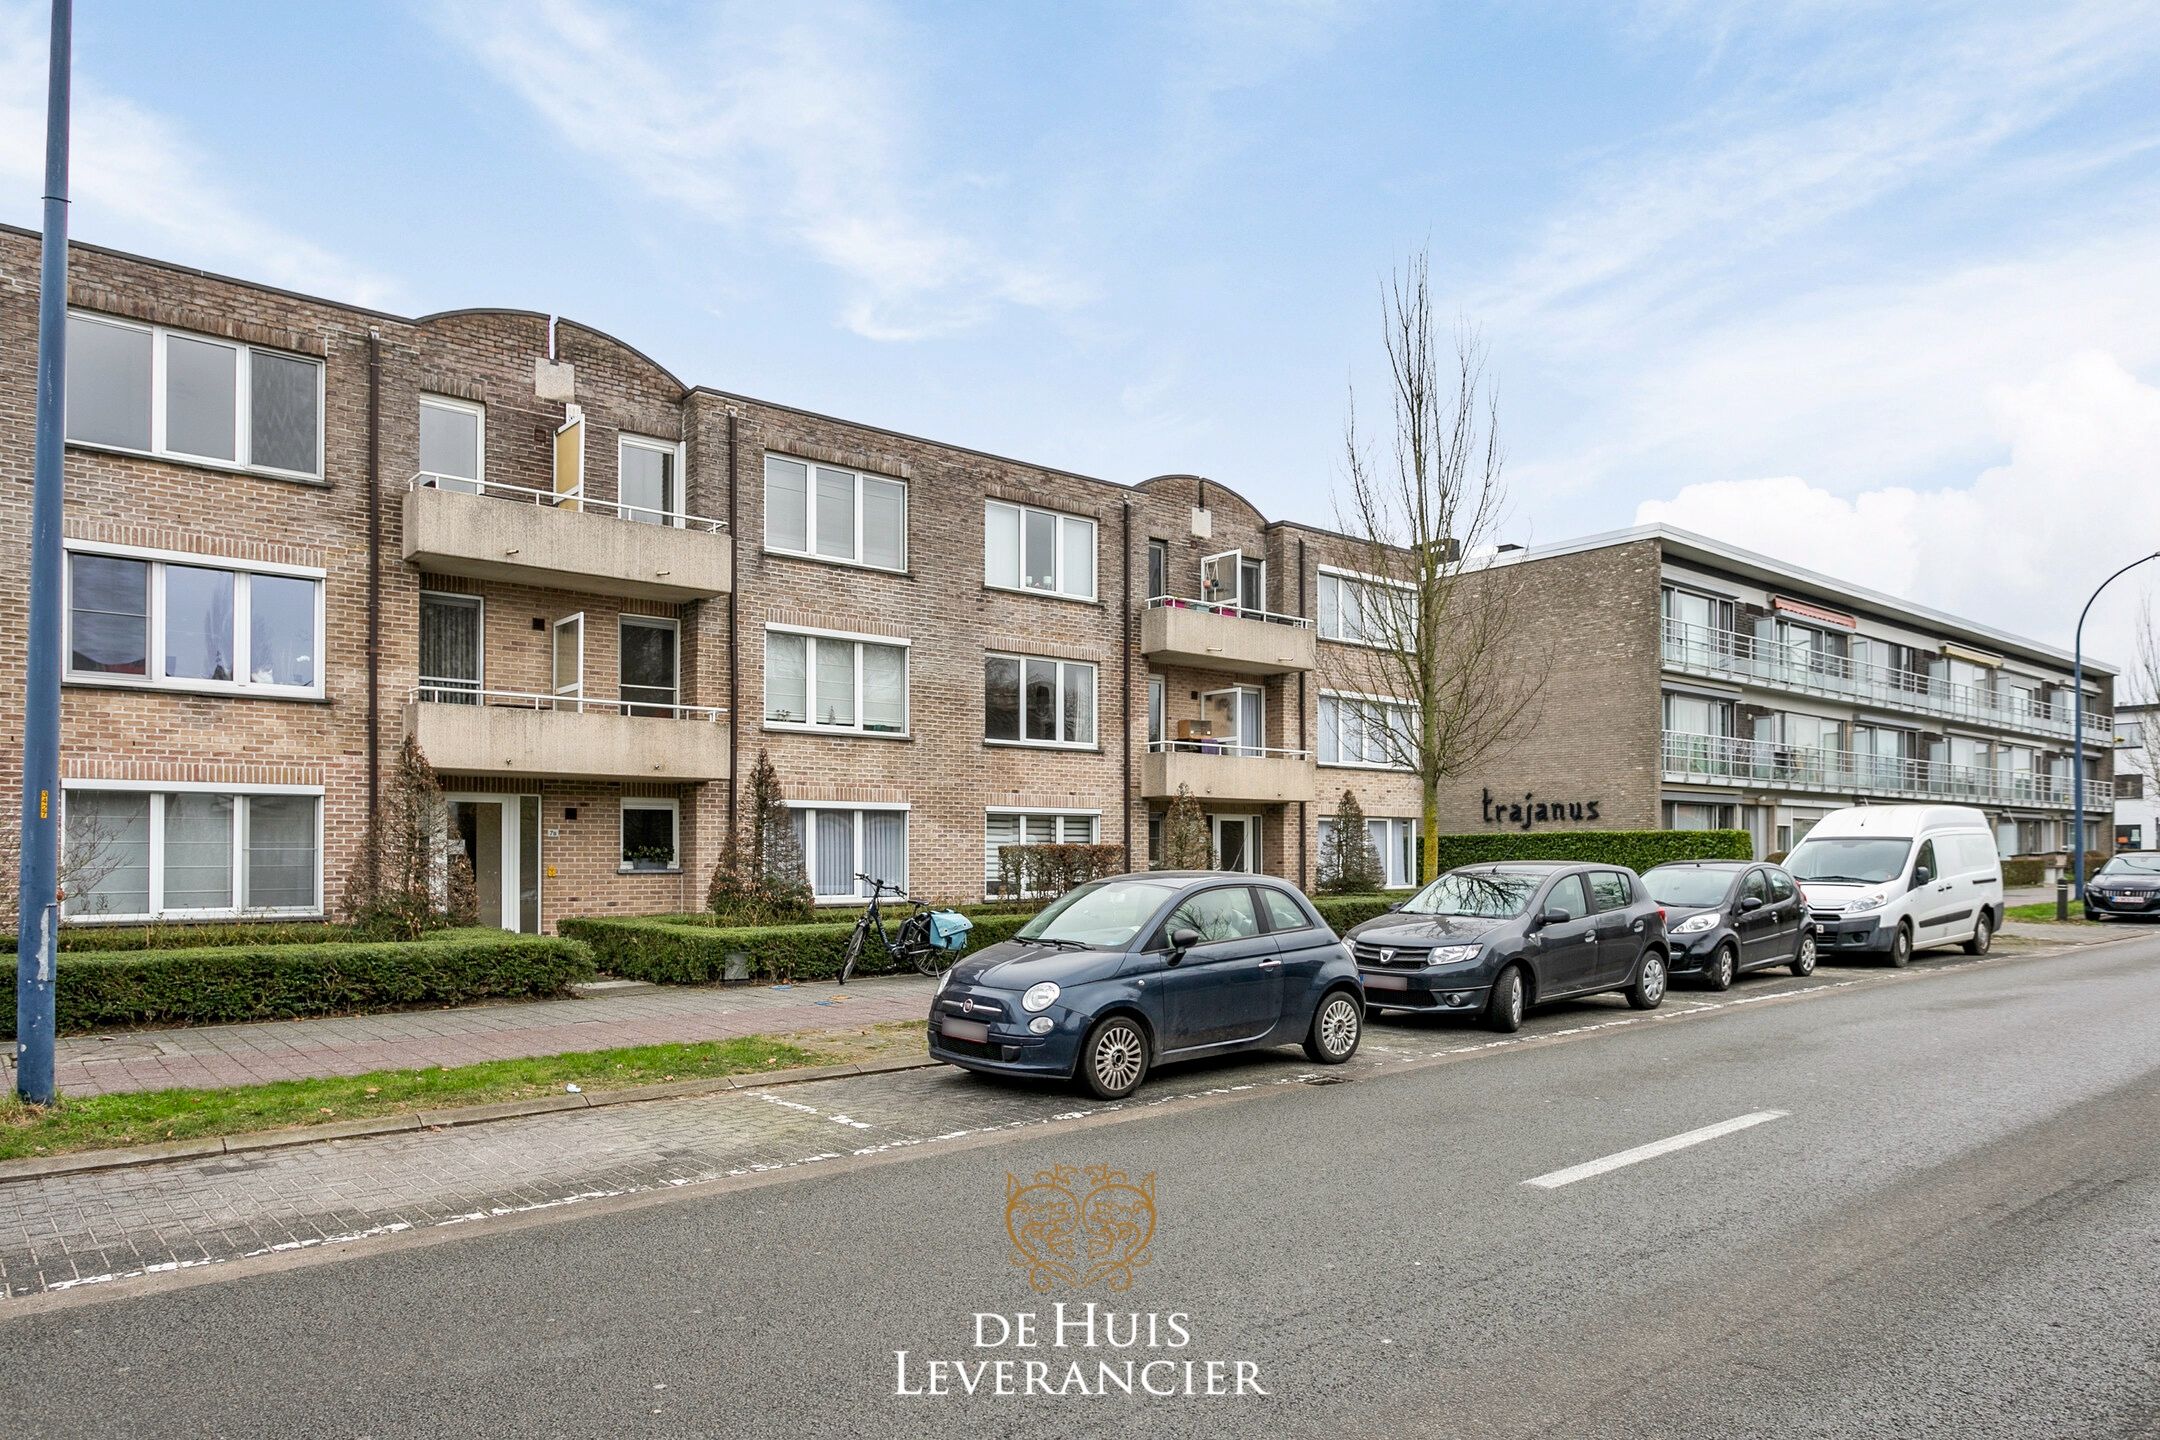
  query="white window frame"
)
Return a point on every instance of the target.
[
  {"x": 478, "y": 479},
  {"x": 1357, "y": 698},
  {"x": 1158, "y": 719},
  {"x": 855, "y": 867},
  {"x": 674, "y": 450},
  {"x": 1398, "y": 829},
  {"x": 478, "y": 604},
  {"x": 1094, "y": 696},
  {"x": 810, "y": 519},
  {"x": 157, "y": 791},
  {"x": 243, "y": 438},
  {"x": 626, "y": 621},
  {"x": 1349, "y": 577},
  {"x": 637, "y": 802},
  {"x": 154, "y": 677},
  {"x": 1023, "y": 813},
  {"x": 1058, "y": 589},
  {"x": 812, "y": 727}
]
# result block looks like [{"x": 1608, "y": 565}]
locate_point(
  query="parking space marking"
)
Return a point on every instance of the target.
[{"x": 1557, "y": 1178}]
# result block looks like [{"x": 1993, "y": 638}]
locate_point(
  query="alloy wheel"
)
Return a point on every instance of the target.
[
  {"x": 1119, "y": 1053},
  {"x": 1804, "y": 963},
  {"x": 1515, "y": 998},
  {"x": 1653, "y": 979},
  {"x": 1339, "y": 1025}
]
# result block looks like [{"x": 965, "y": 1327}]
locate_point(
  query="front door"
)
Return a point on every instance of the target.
[
  {"x": 499, "y": 838},
  {"x": 1229, "y": 987},
  {"x": 1237, "y": 842},
  {"x": 1567, "y": 949}
]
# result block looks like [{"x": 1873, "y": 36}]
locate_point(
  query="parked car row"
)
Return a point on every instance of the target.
[{"x": 1120, "y": 975}]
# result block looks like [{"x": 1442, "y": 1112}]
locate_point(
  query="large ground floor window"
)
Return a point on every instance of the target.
[
  {"x": 1698, "y": 815},
  {"x": 1029, "y": 827},
  {"x": 145, "y": 854},
  {"x": 1395, "y": 840},
  {"x": 839, "y": 843}
]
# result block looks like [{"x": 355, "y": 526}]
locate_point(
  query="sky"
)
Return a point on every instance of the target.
[{"x": 1874, "y": 288}]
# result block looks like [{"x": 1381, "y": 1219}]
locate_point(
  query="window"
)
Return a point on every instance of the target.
[
  {"x": 1029, "y": 549},
  {"x": 192, "y": 853},
  {"x": 1002, "y": 828},
  {"x": 1234, "y": 580},
  {"x": 161, "y": 392},
  {"x": 452, "y": 628},
  {"x": 1567, "y": 895},
  {"x": 650, "y": 680},
  {"x": 1158, "y": 568},
  {"x": 838, "y": 845},
  {"x": 824, "y": 512},
  {"x": 1224, "y": 913},
  {"x": 1362, "y": 610},
  {"x": 647, "y": 486},
  {"x": 2129, "y": 837},
  {"x": 1283, "y": 913},
  {"x": 1155, "y": 709},
  {"x": 452, "y": 452},
  {"x": 144, "y": 619},
  {"x": 1755, "y": 885},
  {"x": 835, "y": 682},
  {"x": 2129, "y": 786},
  {"x": 1781, "y": 886},
  {"x": 1028, "y": 701},
  {"x": 1394, "y": 841},
  {"x": 1697, "y": 815},
  {"x": 649, "y": 830},
  {"x": 1358, "y": 731},
  {"x": 1698, "y": 715},
  {"x": 1610, "y": 890}
]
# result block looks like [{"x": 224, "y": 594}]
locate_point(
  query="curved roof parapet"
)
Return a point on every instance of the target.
[
  {"x": 1157, "y": 484},
  {"x": 561, "y": 322}
]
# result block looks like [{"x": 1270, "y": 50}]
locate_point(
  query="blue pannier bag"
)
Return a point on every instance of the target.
[{"x": 949, "y": 930}]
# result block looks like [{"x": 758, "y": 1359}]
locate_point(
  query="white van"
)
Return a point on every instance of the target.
[{"x": 1892, "y": 879}]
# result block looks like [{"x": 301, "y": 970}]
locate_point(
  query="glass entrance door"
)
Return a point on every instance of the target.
[
  {"x": 1237, "y": 842},
  {"x": 499, "y": 836},
  {"x": 569, "y": 662}
]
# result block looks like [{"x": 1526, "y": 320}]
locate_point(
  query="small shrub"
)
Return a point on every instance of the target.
[
  {"x": 408, "y": 878},
  {"x": 1349, "y": 864},
  {"x": 1049, "y": 871},
  {"x": 770, "y": 885},
  {"x": 1185, "y": 841}
]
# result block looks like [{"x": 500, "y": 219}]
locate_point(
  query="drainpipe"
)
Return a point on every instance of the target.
[
  {"x": 734, "y": 652},
  {"x": 1126, "y": 742},
  {"x": 374, "y": 608},
  {"x": 1304, "y": 873}
]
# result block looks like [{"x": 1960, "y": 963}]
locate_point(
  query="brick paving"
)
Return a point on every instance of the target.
[{"x": 603, "y": 1018}]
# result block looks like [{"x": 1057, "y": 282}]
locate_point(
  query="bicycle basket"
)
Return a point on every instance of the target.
[{"x": 949, "y": 931}]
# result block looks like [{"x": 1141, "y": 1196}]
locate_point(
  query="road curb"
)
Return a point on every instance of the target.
[{"x": 133, "y": 1156}]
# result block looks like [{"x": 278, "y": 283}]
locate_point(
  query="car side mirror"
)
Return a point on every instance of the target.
[
  {"x": 1751, "y": 902},
  {"x": 1182, "y": 939},
  {"x": 1553, "y": 915},
  {"x": 1921, "y": 875}
]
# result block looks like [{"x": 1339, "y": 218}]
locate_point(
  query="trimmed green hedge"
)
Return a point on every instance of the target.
[
  {"x": 1638, "y": 850},
  {"x": 215, "y": 984},
  {"x": 670, "y": 951},
  {"x": 207, "y": 934},
  {"x": 1344, "y": 911}
]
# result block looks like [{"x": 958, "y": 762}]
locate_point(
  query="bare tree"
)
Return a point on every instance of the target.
[
  {"x": 90, "y": 852},
  {"x": 2143, "y": 685},
  {"x": 1434, "y": 622}
]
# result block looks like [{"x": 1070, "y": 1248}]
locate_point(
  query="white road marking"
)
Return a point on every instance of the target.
[{"x": 1655, "y": 1148}]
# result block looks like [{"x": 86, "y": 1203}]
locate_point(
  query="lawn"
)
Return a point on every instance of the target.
[
  {"x": 93, "y": 1122},
  {"x": 2044, "y": 913}
]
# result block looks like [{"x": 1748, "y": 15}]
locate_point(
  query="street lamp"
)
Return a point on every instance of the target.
[{"x": 2077, "y": 723}]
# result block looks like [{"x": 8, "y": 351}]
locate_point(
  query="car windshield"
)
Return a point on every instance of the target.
[
  {"x": 1103, "y": 916},
  {"x": 2132, "y": 865},
  {"x": 1491, "y": 894},
  {"x": 1852, "y": 859},
  {"x": 1683, "y": 885}
]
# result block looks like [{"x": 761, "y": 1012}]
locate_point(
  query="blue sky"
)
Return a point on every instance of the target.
[{"x": 1873, "y": 287}]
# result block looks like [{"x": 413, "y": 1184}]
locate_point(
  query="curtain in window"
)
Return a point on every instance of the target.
[
  {"x": 109, "y": 604},
  {"x": 1001, "y": 698},
  {"x": 885, "y": 845},
  {"x": 1330, "y": 730},
  {"x": 281, "y": 630},
  {"x": 835, "y": 513},
  {"x": 202, "y": 387},
  {"x": 998, "y": 832},
  {"x": 1040, "y": 551},
  {"x": 648, "y": 667},
  {"x": 1080, "y": 704},
  {"x": 787, "y": 504},
  {"x": 449, "y": 649},
  {"x": 646, "y": 486},
  {"x": 198, "y": 623},
  {"x": 884, "y": 523},
  {"x": 108, "y": 383},
  {"x": 1040, "y": 695},
  {"x": 281, "y": 863},
  {"x": 1001, "y": 545},
  {"x": 106, "y": 861},
  {"x": 835, "y": 682},
  {"x": 832, "y": 870},
  {"x": 786, "y": 678},
  {"x": 281, "y": 412},
  {"x": 450, "y": 446},
  {"x": 1077, "y": 537},
  {"x": 884, "y": 697},
  {"x": 198, "y": 852}
]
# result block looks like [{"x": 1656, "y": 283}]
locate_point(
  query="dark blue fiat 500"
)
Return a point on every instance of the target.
[{"x": 1123, "y": 974}]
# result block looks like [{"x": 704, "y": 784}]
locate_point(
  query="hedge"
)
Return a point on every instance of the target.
[
  {"x": 214, "y": 984},
  {"x": 90, "y": 939},
  {"x": 1638, "y": 850},
  {"x": 673, "y": 950}
]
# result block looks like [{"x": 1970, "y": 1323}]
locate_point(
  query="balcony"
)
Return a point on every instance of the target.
[
  {"x": 1728, "y": 655},
  {"x": 1226, "y": 772},
  {"x": 1767, "y": 765},
  {"x": 1225, "y": 637},
  {"x": 506, "y": 732},
  {"x": 533, "y": 537}
]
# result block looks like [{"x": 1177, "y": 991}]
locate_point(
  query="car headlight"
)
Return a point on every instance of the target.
[
  {"x": 1039, "y": 997},
  {"x": 1696, "y": 924},
  {"x": 1867, "y": 902},
  {"x": 1452, "y": 954}
]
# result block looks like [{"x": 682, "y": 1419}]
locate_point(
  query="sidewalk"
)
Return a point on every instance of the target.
[{"x": 605, "y": 1016}]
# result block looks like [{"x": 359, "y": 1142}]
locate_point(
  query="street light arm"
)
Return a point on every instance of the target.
[{"x": 2077, "y": 724}]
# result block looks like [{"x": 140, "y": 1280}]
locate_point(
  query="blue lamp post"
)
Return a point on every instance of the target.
[{"x": 2077, "y": 727}]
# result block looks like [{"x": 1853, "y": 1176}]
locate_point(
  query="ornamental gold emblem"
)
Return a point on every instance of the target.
[{"x": 1080, "y": 1224}]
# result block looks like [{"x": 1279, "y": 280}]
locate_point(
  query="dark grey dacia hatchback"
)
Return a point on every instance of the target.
[
  {"x": 1122, "y": 974},
  {"x": 1493, "y": 940}
]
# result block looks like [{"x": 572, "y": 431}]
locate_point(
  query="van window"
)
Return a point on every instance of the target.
[
  {"x": 1925, "y": 860},
  {"x": 1852, "y": 860}
]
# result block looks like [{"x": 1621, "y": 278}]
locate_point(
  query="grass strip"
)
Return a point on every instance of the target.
[
  {"x": 95, "y": 1122},
  {"x": 2043, "y": 913}
]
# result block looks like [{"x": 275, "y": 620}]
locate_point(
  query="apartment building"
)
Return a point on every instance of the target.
[
  {"x": 299, "y": 532},
  {"x": 2137, "y": 806}
]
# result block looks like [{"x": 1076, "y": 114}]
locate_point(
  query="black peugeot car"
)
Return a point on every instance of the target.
[
  {"x": 2129, "y": 884},
  {"x": 1727, "y": 917},
  {"x": 1493, "y": 940}
]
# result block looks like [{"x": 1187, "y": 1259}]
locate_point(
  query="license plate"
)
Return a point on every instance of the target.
[
  {"x": 2129, "y": 899},
  {"x": 964, "y": 1030},
  {"x": 1385, "y": 982}
]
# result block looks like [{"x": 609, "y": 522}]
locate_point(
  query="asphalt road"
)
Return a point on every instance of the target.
[{"x": 1944, "y": 1220}]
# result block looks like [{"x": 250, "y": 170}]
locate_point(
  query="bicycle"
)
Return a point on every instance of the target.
[{"x": 908, "y": 942}]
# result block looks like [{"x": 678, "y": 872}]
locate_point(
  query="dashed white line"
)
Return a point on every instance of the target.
[{"x": 1553, "y": 1180}]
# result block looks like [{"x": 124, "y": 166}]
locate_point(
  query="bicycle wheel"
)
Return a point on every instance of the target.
[
  {"x": 854, "y": 951},
  {"x": 912, "y": 944}
]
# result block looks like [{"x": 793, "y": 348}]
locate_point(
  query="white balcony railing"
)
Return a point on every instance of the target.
[
  {"x": 443, "y": 690},
  {"x": 1730, "y": 655},
  {"x": 1234, "y": 612},
  {"x": 570, "y": 500},
  {"x": 1726, "y": 759},
  {"x": 1224, "y": 746}
]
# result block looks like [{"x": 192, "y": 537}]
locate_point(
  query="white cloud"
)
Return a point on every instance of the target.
[
  {"x": 2019, "y": 547},
  {"x": 792, "y": 127},
  {"x": 138, "y": 182}
]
